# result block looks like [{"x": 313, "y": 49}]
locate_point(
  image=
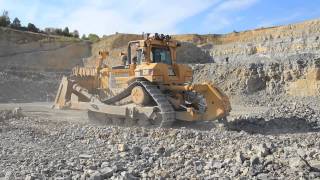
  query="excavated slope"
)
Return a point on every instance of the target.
[
  {"x": 269, "y": 59},
  {"x": 32, "y": 64},
  {"x": 33, "y": 51}
]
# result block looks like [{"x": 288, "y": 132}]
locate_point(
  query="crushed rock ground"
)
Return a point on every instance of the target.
[{"x": 38, "y": 147}]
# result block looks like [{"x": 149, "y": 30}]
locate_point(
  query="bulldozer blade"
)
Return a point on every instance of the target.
[
  {"x": 217, "y": 103},
  {"x": 64, "y": 94}
]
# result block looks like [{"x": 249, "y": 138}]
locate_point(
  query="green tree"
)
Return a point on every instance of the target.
[
  {"x": 4, "y": 19},
  {"x": 66, "y": 32},
  {"x": 84, "y": 37},
  {"x": 93, "y": 37},
  {"x": 31, "y": 27},
  {"x": 75, "y": 33},
  {"x": 58, "y": 31},
  {"x": 16, "y": 24}
]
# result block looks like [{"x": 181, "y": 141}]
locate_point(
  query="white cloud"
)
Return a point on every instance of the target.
[
  {"x": 2, "y": 2},
  {"x": 133, "y": 16},
  {"x": 107, "y": 17},
  {"x": 220, "y": 16},
  {"x": 235, "y": 5}
]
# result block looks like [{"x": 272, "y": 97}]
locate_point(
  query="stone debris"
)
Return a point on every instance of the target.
[
  {"x": 30, "y": 150},
  {"x": 11, "y": 114},
  {"x": 122, "y": 147}
]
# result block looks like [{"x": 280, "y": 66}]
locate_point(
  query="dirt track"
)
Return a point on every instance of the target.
[{"x": 44, "y": 110}]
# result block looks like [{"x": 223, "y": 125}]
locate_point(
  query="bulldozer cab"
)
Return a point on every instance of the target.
[
  {"x": 153, "y": 49},
  {"x": 154, "y": 59}
]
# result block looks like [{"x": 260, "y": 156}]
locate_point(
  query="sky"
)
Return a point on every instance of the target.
[{"x": 104, "y": 17}]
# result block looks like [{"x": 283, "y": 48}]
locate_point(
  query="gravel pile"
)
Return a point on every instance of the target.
[
  {"x": 33, "y": 148},
  {"x": 289, "y": 117},
  {"x": 296, "y": 111}
]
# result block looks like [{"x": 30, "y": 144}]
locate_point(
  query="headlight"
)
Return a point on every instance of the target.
[
  {"x": 147, "y": 72},
  {"x": 144, "y": 72}
]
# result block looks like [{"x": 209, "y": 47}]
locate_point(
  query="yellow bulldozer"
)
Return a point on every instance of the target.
[{"x": 149, "y": 89}]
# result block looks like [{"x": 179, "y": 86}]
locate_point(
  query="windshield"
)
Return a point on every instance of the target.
[{"x": 161, "y": 55}]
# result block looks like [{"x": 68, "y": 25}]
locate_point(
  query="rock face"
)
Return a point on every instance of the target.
[
  {"x": 28, "y": 86},
  {"x": 299, "y": 78},
  {"x": 269, "y": 59},
  {"x": 269, "y": 43},
  {"x": 310, "y": 86},
  {"x": 264, "y": 44},
  {"x": 32, "y": 64},
  {"x": 32, "y": 51}
]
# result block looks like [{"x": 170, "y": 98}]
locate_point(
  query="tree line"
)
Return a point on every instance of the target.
[{"x": 5, "y": 21}]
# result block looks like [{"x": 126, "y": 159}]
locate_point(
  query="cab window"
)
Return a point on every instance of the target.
[
  {"x": 161, "y": 55},
  {"x": 139, "y": 56}
]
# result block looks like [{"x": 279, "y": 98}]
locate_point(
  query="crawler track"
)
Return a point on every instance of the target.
[{"x": 165, "y": 108}]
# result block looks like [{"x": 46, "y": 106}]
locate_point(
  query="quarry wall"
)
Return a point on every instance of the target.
[
  {"x": 272, "y": 61},
  {"x": 33, "y": 51}
]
